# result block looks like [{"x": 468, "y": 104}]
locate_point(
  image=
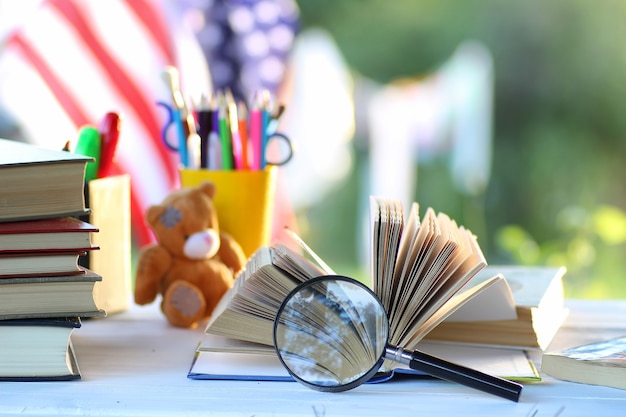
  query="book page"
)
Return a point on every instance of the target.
[
  {"x": 455, "y": 303},
  {"x": 441, "y": 248},
  {"x": 446, "y": 256},
  {"x": 432, "y": 260},
  {"x": 387, "y": 226},
  {"x": 450, "y": 285},
  {"x": 451, "y": 275},
  {"x": 310, "y": 255},
  {"x": 419, "y": 253},
  {"x": 247, "y": 311},
  {"x": 495, "y": 302}
]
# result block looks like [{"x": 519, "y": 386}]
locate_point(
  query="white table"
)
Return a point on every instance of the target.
[{"x": 134, "y": 364}]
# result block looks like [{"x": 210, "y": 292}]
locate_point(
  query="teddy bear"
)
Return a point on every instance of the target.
[{"x": 193, "y": 263}]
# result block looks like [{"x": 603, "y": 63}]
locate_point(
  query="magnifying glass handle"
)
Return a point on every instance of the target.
[{"x": 449, "y": 371}]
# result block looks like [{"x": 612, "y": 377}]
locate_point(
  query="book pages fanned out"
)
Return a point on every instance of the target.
[
  {"x": 434, "y": 260},
  {"x": 248, "y": 309},
  {"x": 387, "y": 227},
  {"x": 417, "y": 269}
]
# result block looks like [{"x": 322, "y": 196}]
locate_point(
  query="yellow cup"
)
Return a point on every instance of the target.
[{"x": 244, "y": 201}]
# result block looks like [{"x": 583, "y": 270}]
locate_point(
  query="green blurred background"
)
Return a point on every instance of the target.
[{"x": 555, "y": 195}]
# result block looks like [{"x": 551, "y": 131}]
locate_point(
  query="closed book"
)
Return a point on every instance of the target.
[
  {"x": 40, "y": 183},
  {"x": 49, "y": 296},
  {"x": 55, "y": 234},
  {"x": 40, "y": 263},
  {"x": 539, "y": 305},
  {"x": 38, "y": 349},
  {"x": 109, "y": 203},
  {"x": 599, "y": 363}
]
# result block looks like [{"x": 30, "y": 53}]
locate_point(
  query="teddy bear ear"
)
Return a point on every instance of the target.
[
  {"x": 153, "y": 213},
  {"x": 208, "y": 188}
]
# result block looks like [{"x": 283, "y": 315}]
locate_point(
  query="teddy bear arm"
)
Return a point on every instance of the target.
[
  {"x": 153, "y": 263},
  {"x": 231, "y": 253}
]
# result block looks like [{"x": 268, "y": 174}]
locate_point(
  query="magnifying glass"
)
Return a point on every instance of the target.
[{"x": 331, "y": 334}]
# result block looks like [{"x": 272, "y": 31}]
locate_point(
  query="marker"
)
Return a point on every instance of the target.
[
  {"x": 89, "y": 144},
  {"x": 109, "y": 135}
]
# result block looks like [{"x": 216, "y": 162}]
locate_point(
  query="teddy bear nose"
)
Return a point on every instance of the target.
[{"x": 201, "y": 245}]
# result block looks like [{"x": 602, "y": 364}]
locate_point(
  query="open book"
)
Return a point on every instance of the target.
[
  {"x": 221, "y": 358},
  {"x": 419, "y": 268}
]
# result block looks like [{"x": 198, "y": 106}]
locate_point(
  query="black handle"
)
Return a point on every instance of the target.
[{"x": 449, "y": 371}]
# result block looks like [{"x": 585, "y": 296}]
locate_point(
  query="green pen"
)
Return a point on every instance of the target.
[{"x": 89, "y": 144}]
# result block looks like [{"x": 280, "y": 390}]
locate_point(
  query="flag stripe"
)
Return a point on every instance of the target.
[
  {"x": 72, "y": 107},
  {"x": 78, "y": 59},
  {"x": 63, "y": 95},
  {"x": 154, "y": 25},
  {"x": 117, "y": 77}
]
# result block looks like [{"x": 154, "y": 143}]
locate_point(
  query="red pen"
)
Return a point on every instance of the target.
[{"x": 109, "y": 134}]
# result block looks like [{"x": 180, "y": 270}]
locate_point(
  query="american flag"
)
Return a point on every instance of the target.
[
  {"x": 246, "y": 42},
  {"x": 75, "y": 60}
]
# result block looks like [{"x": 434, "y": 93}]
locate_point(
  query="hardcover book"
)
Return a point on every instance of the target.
[
  {"x": 40, "y": 263},
  {"x": 539, "y": 304},
  {"x": 599, "y": 363},
  {"x": 55, "y": 234},
  {"x": 51, "y": 296},
  {"x": 38, "y": 349},
  {"x": 40, "y": 183}
]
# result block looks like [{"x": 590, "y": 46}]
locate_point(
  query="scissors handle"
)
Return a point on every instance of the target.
[
  {"x": 284, "y": 158},
  {"x": 168, "y": 123},
  {"x": 174, "y": 118}
]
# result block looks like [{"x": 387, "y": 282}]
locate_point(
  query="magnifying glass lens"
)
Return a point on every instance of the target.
[{"x": 331, "y": 334}]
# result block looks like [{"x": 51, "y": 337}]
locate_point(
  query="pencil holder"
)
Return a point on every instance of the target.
[
  {"x": 244, "y": 201},
  {"x": 109, "y": 202}
]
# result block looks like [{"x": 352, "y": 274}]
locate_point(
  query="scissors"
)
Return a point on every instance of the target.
[
  {"x": 174, "y": 117},
  {"x": 278, "y": 150}
]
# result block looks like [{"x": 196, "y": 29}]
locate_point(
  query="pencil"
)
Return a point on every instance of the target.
[
  {"x": 256, "y": 136},
  {"x": 225, "y": 138},
  {"x": 205, "y": 121},
  {"x": 234, "y": 129}
]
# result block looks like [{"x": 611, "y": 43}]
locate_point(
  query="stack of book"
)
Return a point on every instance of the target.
[{"x": 43, "y": 290}]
